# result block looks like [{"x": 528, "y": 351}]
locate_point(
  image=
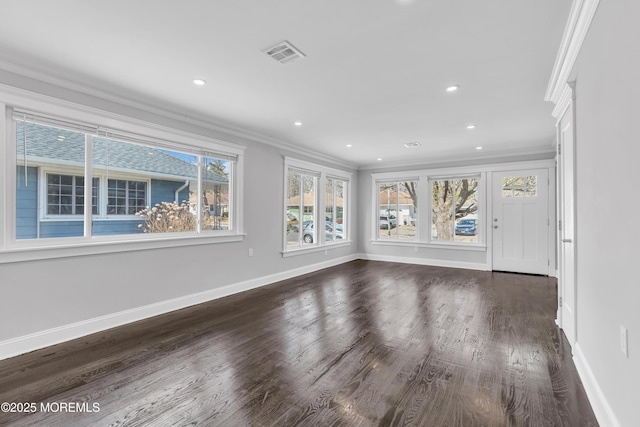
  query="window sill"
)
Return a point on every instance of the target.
[
  {"x": 433, "y": 245},
  {"x": 302, "y": 251},
  {"x": 21, "y": 253}
]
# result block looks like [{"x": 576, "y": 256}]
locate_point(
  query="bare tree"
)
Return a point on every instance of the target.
[{"x": 452, "y": 200}]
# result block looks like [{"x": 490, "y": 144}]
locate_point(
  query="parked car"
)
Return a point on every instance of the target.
[
  {"x": 307, "y": 237},
  {"x": 388, "y": 221},
  {"x": 467, "y": 227}
]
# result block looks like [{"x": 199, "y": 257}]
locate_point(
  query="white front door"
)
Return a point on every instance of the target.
[
  {"x": 566, "y": 268},
  {"x": 520, "y": 222}
]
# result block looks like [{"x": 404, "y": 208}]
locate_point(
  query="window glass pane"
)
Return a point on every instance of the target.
[
  {"x": 466, "y": 211},
  {"x": 454, "y": 210},
  {"x": 215, "y": 194},
  {"x": 310, "y": 230},
  {"x": 292, "y": 215},
  {"x": 60, "y": 153},
  {"x": 330, "y": 209},
  {"x": 147, "y": 189},
  {"x": 300, "y": 216},
  {"x": 507, "y": 186},
  {"x": 339, "y": 223},
  {"x": 442, "y": 210},
  {"x": 334, "y": 214},
  {"x": 397, "y": 210},
  {"x": 407, "y": 209},
  {"x": 387, "y": 220},
  {"x": 531, "y": 186},
  {"x": 520, "y": 186}
]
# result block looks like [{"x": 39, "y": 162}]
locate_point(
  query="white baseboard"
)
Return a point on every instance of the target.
[
  {"x": 27, "y": 343},
  {"x": 601, "y": 408},
  {"x": 425, "y": 261}
]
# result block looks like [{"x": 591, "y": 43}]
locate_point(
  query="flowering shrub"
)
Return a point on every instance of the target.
[{"x": 167, "y": 217}]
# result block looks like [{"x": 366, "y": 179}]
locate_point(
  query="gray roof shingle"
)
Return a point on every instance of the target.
[{"x": 49, "y": 144}]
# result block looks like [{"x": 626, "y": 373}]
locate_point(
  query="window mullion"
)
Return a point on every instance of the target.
[
  {"x": 321, "y": 202},
  {"x": 88, "y": 186},
  {"x": 301, "y": 211},
  {"x": 397, "y": 210},
  {"x": 199, "y": 206},
  {"x": 453, "y": 209}
]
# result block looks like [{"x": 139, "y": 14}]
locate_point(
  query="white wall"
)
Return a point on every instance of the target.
[
  {"x": 37, "y": 296},
  {"x": 607, "y": 78}
]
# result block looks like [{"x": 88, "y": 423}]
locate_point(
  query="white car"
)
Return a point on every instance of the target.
[{"x": 387, "y": 222}]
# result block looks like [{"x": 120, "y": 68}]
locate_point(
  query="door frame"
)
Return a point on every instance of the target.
[
  {"x": 550, "y": 165},
  {"x": 545, "y": 195},
  {"x": 566, "y": 107}
]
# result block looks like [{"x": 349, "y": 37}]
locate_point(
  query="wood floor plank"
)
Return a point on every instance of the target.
[{"x": 361, "y": 344}]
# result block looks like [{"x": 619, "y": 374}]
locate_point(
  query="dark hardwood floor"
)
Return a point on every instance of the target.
[{"x": 361, "y": 344}]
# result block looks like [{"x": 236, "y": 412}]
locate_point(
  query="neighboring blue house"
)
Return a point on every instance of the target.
[{"x": 126, "y": 179}]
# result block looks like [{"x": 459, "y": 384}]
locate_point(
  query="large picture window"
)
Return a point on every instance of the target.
[
  {"x": 316, "y": 206},
  {"x": 138, "y": 185},
  {"x": 427, "y": 209}
]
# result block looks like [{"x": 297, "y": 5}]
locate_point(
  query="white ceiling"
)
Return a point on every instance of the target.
[{"x": 374, "y": 76}]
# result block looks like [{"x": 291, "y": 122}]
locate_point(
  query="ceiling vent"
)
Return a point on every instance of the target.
[
  {"x": 412, "y": 144},
  {"x": 284, "y": 52}
]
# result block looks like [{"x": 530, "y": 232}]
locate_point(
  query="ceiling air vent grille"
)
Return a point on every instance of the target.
[
  {"x": 412, "y": 144},
  {"x": 284, "y": 52}
]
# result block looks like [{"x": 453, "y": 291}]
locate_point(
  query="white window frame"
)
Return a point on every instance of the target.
[
  {"x": 13, "y": 250},
  {"x": 323, "y": 172},
  {"x": 105, "y": 196},
  {"x": 377, "y": 210},
  {"x": 43, "y": 193}
]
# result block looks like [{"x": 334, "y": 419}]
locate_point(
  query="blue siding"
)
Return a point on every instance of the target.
[
  {"x": 26, "y": 203},
  {"x": 27, "y": 211},
  {"x": 61, "y": 229},
  {"x": 165, "y": 191},
  {"x": 106, "y": 228}
]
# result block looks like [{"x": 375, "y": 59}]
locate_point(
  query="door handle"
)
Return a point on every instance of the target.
[
  {"x": 495, "y": 226},
  {"x": 566, "y": 240}
]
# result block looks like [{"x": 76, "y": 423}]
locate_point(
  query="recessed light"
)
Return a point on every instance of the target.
[
  {"x": 349, "y": 145},
  {"x": 379, "y": 159},
  {"x": 199, "y": 82},
  {"x": 453, "y": 88},
  {"x": 478, "y": 148},
  {"x": 471, "y": 126},
  {"x": 297, "y": 123}
]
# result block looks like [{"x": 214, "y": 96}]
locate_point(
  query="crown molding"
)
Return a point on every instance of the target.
[
  {"x": 580, "y": 18},
  {"x": 541, "y": 152},
  {"x": 564, "y": 101}
]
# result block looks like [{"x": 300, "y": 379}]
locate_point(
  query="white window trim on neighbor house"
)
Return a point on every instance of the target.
[
  {"x": 44, "y": 193},
  {"x": 322, "y": 173},
  {"x": 102, "y": 191},
  {"x": 424, "y": 179},
  {"x": 13, "y": 250}
]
